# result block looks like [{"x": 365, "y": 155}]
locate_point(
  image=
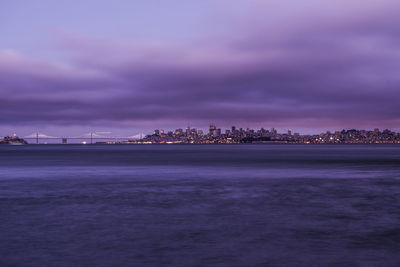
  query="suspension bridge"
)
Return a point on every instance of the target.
[{"x": 88, "y": 137}]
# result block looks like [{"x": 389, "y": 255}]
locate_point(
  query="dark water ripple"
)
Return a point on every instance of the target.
[{"x": 250, "y": 205}]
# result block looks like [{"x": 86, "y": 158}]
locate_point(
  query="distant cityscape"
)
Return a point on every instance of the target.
[
  {"x": 239, "y": 135},
  {"x": 232, "y": 135}
]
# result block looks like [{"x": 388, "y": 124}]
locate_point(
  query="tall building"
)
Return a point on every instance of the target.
[
  {"x": 179, "y": 131},
  {"x": 213, "y": 130}
]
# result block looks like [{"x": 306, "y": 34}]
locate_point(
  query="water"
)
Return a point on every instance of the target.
[{"x": 200, "y": 205}]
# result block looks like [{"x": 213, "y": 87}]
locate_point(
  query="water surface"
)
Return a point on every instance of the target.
[{"x": 199, "y": 205}]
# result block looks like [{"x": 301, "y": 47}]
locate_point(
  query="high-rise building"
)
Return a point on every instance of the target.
[
  {"x": 178, "y": 131},
  {"x": 213, "y": 130}
]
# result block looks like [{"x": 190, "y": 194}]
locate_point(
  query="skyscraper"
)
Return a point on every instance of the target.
[{"x": 213, "y": 130}]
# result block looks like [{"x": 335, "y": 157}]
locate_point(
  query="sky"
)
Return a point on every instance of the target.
[{"x": 128, "y": 67}]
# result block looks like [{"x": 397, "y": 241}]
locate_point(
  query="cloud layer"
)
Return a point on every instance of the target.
[{"x": 312, "y": 65}]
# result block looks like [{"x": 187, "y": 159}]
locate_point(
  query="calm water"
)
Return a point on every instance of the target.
[{"x": 200, "y": 205}]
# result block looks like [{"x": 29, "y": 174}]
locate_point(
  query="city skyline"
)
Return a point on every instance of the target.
[
  {"x": 136, "y": 134},
  {"x": 217, "y": 135},
  {"x": 54, "y": 132},
  {"x": 308, "y": 66}
]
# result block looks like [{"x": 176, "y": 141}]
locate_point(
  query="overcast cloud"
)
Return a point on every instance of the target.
[{"x": 308, "y": 65}]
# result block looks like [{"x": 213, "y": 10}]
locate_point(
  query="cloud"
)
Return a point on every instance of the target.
[{"x": 311, "y": 64}]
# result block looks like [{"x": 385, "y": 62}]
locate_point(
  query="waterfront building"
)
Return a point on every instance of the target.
[
  {"x": 263, "y": 136},
  {"x": 213, "y": 130}
]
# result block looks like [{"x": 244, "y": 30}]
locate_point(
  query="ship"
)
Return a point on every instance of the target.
[{"x": 13, "y": 140}]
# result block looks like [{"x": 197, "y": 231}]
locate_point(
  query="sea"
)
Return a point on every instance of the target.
[{"x": 200, "y": 205}]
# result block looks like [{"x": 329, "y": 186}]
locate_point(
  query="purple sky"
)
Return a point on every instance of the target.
[{"x": 131, "y": 66}]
